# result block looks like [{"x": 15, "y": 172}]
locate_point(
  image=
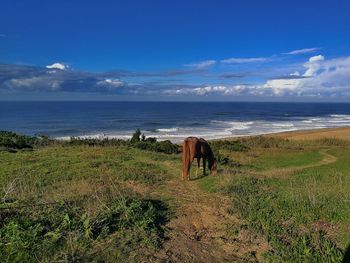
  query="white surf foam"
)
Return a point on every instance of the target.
[
  {"x": 168, "y": 130},
  {"x": 221, "y": 129}
]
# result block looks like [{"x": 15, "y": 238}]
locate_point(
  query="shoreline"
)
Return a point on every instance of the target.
[{"x": 307, "y": 134}]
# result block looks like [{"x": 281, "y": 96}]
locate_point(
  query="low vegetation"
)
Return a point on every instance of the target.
[
  {"x": 10, "y": 141},
  {"x": 304, "y": 213},
  {"x": 78, "y": 203},
  {"x": 65, "y": 232},
  {"x": 105, "y": 200}
]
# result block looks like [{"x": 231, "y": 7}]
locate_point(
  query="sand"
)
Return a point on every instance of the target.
[{"x": 339, "y": 133}]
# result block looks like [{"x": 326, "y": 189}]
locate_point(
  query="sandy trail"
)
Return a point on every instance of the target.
[{"x": 201, "y": 230}]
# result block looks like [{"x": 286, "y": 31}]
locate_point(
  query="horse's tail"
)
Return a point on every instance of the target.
[{"x": 185, "y": 159}]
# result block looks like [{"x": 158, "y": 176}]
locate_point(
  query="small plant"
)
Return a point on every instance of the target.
[{"x": 136, "y": 136}]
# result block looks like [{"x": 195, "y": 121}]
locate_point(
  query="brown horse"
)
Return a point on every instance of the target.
[{"x": 193, "y": 147}]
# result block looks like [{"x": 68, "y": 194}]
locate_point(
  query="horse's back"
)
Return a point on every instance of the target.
[{"x": 191, "y": 146}]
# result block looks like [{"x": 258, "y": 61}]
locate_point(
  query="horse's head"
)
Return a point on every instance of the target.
[{"x": 213, "y": 167}]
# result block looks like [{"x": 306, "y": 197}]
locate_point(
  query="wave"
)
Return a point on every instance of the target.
[
  {"x": 215, "y": 129},
  {"x": 234, "y": 125},
  {"x": 283, "y": 124},
  {"x": 168, "y": 130},
  {"x": 339, "y": 116}
]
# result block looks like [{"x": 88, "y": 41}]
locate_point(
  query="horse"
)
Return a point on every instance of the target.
[{"x": 193, "y": 147}]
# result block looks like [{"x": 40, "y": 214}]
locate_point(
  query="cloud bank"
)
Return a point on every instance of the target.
[
  {"x": 321, "y": 78},
  {"x": 316, "y": 77}
]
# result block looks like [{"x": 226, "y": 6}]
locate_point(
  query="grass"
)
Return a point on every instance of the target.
[
  {"x": 278, "y": 158},
  {"x": 97, "y": 203},
  {"x": 80, "y": 203},
  {"x": 64, "y": 232},
  {"x": 305, "y": 216}
]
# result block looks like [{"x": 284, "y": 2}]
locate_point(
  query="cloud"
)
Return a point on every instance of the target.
[
  {"x": 302, "y": 51},
  {"x": 237, "y": 90},
  {"x": 321, "y": 78},
  {"x": 316, "y": 77},
  {"x": 58, "y": 66},
  {"x": 34, "y": 83},
  {"x": 243, "y": 60},
  {"x": 21, "y": 78},
  {"x": 232, "y": 75},
  {"x": 313, "y": 65},
  {"x": 111, "y": 83},
  {"x": 58, "y": 78},
  {"x": 202, "y": 64}
]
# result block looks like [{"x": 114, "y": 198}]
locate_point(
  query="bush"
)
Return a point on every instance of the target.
[
  {"x": 270, "y": 142},
  {"x": 76, "y": 141},
  {"x": 12, "y": 140},
  {"x": 16, "y": 141},
  {"x": 233, "y": 146},
  {"x": 164, "y": 146},
  {"x": 136, "y": 136}
]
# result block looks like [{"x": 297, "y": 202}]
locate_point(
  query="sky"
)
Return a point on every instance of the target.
[{"x": 218, "y": 50}]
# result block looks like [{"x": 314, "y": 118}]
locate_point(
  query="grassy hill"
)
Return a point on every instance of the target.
[{"x": 89, "y": 201}]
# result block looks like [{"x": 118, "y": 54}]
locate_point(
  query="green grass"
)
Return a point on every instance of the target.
[
  {"x": 304, "y": 214},
  {"x": 64, "y": 232},
  {"x": 97, "y": 203},
  {"x": 79, "y": 203},
  {"x": 283, "y": 159}
]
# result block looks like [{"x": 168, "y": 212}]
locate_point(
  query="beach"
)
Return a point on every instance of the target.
[{"x": 338, "y": 133}]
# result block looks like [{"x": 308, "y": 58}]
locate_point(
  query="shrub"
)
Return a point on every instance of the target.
[
  {"x": 235, "y": 146},
  {"x": 136, "y": 136}
]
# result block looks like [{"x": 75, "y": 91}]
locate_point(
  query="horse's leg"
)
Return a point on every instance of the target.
[
  {"x": 204, "y": 164},
  {"x": 189, "y": 168},
  {"x": 186, "y": 170},
  {"x": 186, "y": 163},
  {"x": 198, "y": 165}
]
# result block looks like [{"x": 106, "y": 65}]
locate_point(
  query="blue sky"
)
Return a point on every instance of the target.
[{"x": 175, "y": 50}]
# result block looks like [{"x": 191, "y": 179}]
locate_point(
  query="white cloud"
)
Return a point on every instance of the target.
[
  {"x": 313, "y": 65},
  {"x": 201, "y": 64},
  {"x": 295, "y": 86},
  {"x": 243, "y": 60},
  {"x": 215, "y": 89},
  {"x": 322, "y": 78},
  {"x": 111, "y": 83},
  {"x": 35, "y": 83},
  {"x": 302, "y": 51},
  {"x": 58, "y": 66}
]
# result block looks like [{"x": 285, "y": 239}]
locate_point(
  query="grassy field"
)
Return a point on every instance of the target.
[{"x": 126, "y": 203}]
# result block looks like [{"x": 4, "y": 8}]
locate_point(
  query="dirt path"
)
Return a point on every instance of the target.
[{"x": 204, "y": 231}]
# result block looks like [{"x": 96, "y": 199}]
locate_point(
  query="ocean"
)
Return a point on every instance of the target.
[{"x": 168, "y": 120}]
